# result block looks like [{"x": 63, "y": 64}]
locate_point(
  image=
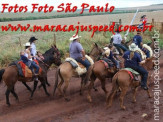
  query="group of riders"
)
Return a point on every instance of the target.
[{"x": 132, "y": 59}]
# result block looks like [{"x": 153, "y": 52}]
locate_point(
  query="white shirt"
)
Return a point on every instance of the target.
[
  {"x": 33, "y": 49},
  {"x": 117, "y": 38}
]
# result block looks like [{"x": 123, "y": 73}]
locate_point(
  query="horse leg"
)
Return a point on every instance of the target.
[
  {"x": 102, "y": 79},
  {"x": 47, "y": 83},
  {"x": 82, "y": 86},
  {"x": 59, "y": 87},
  {"x": 64, "y": 90},
  {"x": 134, "y": 94},
  {"x": 149, "y": 95},
  {"x": 14, "y": 94},
  {"x": 44, "y": 86},
  {"x": 111, "y": 96},
  {"x": 35, "y": 85},
  {"x": 28, "y": 88},
  {"x": 7, "y": 97},
  {"x": 90, "y": 88},
  {"x": 121, "y": 98}
]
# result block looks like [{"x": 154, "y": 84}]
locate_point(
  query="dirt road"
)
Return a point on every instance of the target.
[{"x": 54, "y": 108}]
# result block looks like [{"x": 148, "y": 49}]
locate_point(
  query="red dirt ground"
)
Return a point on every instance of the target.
[{"x": 55, "y": 108}]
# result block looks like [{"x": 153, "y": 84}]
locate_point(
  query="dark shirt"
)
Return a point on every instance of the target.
[
  {"x": 134, "y": 61},
  {"x": 24, "y": 59},
  {"x": 137, "y": 40},
  {"x": 111, "y": 55}
]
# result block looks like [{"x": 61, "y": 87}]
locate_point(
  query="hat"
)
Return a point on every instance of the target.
[
  {"x": 27, "y": 44},
  {"x": 143, "y": 16},
  {"x": 133, "y": 47},
  {"x": 74, "y": 37},
  {"x": 32, "y": 39},
  {"x": 107, "y": 52}
]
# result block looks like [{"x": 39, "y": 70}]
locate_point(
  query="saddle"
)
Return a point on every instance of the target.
[
  {"x": 133, "y": 74},
  {"x": 79, "y": 68},
  {"x": 107, "y": 62}
]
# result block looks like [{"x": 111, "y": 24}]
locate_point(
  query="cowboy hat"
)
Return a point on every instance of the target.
[
  {"x": 74, "y": 37},
  {"x": 107, "y": 52},
  {"x": 32, "y": 39},
  {"x": 27, "y": 44},
  {"x": 133, "y": 47}
]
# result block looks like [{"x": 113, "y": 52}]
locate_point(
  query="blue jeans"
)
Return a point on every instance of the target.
[
  {"x": 120, "y": 46},
  {"x": 34, "y": 65},
  {"x": 85, "y": 62},
  {"x": 142, "y": 72}
]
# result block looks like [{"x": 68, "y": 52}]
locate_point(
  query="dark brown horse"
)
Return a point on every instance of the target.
[
  {"x": 10, "y": 75},
  {"x": 66, "y": 72},
  {"x": 122, "y": 80}
]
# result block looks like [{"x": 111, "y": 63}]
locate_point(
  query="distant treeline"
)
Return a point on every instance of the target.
[{"x": 70, "y": 15}]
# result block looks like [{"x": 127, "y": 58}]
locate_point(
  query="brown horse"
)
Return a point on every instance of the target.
[
  {"x": 66, "y": 71},
  {"x": 101, "y": 72},
  {"x": 122, "y": 80},
  {"x": 10, "y": 75}
]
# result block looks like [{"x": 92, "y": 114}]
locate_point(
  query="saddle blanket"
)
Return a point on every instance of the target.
[
  {"x": 26, "y": 71},
  {"x": 133, "y": 74}
]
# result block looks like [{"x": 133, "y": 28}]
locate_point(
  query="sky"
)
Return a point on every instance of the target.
[{"x": 116, "y": 3}]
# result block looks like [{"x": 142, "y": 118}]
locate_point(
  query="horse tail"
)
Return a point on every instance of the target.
[
  {"x": 115, "y": 87},
  {"x": 1, "y": 74},
  {"x": 56, "y": 80}
]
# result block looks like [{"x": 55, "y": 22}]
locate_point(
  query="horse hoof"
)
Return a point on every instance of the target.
[
  {"x": 67, "y": 99},
  {"x": 96, "y": 90},
  {"x": 30, "y": 98},
  {"x": 123, "y": 108},
  {"x": 89, "y": 99},
  {"x": 134, "y": 101}
]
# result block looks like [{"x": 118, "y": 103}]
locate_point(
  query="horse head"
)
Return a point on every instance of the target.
[
  {"x": 53, "y": 55},
  {"x": 96, "y": 51}
]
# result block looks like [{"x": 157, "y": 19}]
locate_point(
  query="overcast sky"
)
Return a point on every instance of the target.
[{"x": 116, "y": 3}]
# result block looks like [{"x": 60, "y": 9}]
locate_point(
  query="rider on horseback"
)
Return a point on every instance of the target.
[
  {"x": 132, "y": 60},
  {"x": 109, "y": 54},
  {"x": 138, "y": 41},
  {"x": 117, "y": 39},
  {"x": 77, "y": 52},
  {"x": 27, "y": 59}
]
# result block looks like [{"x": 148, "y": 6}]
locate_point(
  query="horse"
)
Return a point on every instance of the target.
[
  {"x": 101, "y": 72},
  {"x": 66, "y": 71},
  {"x": 122, "y": 80},
  {"x": 10, "y": 74}
]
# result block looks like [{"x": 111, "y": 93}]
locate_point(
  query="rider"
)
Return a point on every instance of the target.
[
  {"x": 77, "y": 52},
  {"x": 109, "y": 54},
  {"x": 138, "y": 41},
  {"x": 31, "y": 64},
  {"x": 132, "y": 60},
  {"x": 117, "y": 39},
  {"x": 32, "y": 41}
]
